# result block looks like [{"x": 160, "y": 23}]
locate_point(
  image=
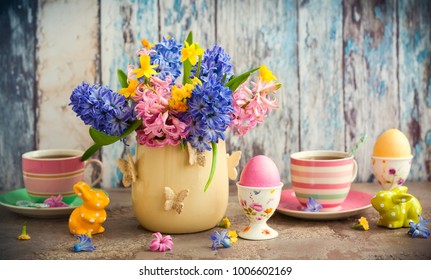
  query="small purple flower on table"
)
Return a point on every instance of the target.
[
  {"x": 161, "y": 243},
  {"x": 55, "y": 201},
  {"x": 420, "y": 228},
  {"x": 312, "y": 205},
  {"x": 220, "y": 239},
  {"x": 85, "y": 244}
]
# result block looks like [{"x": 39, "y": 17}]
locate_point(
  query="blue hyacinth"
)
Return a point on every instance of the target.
[
  {"x": 215, "y": 61},
  {"x": 85, "y": 244},
  {"x": 312, "y": 205},
  {"x": 220, "y": 239},
  {"x": 209, "y": 112},
  {"x": 419, "y": 229},
  {"x": 102, "y": 108},
  {"x": 167, "y": 56}
]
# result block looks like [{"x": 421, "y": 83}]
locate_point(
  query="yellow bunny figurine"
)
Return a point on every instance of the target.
[{"x": 88, "y": 218}]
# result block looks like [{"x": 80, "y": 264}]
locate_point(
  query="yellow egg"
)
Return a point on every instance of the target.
[{"x": 392, "y": 144}]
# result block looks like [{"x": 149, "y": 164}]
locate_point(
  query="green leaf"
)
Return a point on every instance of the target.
[
  {"x": 101, "y": 138},
  {"x": 187, "y": 66},
  {"x": 104, "y": 139},
  {"x": 187, "y": 71},
  {"x": 224, "y": 78},
  {"x": 213, "y": 165},
  {"x": 234, "y": 83},
  {"x": 122, "y": 78},
  {"x": 190, "y": 38},
  {"x": 90, "y": 151}
]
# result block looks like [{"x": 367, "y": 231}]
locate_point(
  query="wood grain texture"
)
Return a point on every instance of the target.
[
  {"x": 268, "y": 37},
  {"x": 347, "y": 68},
  {"x": 123, "y": 25},
  {"x": 371, "y": 102},
  {"x": 179, "y": 17},
  {"x": 414, "y": 66},
  {"x": 67, "y": 54},
  {"x": 17, "y": 88},
  {"x": 320, "y": 75}
]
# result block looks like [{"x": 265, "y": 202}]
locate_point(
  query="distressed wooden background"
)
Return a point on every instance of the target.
[{"x": 347, "y": 67}]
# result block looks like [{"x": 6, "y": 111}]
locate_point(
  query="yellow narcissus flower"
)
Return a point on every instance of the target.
[
  {"x": 225, "y": 223},
  {"x": 266, "y": 74},
  {"x": 196, "y": 81},
  {"x": 233, "y": 236},
  {"x": 178, "y": 101},
  {"x": 146, "y": 68},
  {"x": 24, "y": 235},
  {"x": 363, "y": 224},
  {"x": 191, "y": 52},
  {"x": 130, "y": 90},
  {"x": 146, "y": 44}
]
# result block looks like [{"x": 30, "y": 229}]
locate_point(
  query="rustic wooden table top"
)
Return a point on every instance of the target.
[{"x": 299, "y": 239}]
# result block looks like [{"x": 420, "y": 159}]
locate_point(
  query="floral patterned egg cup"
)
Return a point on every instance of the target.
[
  {"x": 391, "y": 172},
  {"x": 259, "y": 205}
]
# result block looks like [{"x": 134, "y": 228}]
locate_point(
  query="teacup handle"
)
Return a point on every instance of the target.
[
  {"x": 100, "y": 164},
  {"x": 355, "y": 170}
]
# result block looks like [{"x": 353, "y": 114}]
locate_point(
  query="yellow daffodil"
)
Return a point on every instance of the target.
[
  {"x": 196, "y": 81},
  {"x": 146, "y": 68},
  {"x": 130, "y": 90},
  {"x": 146, "y": 44},
  {"x": 191, "y": 52},
  {"x": 178, "y": 101},
  {"x": 233, "y": 236},
  {"x": 225, "y": 223},
  {"x": 363, "y": 224},
  {"x": 266, "y": 74},
  {"x": 24, "y": 235}
]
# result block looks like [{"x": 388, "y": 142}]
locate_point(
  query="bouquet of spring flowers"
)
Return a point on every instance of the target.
[{"x": 176, "y": 94}]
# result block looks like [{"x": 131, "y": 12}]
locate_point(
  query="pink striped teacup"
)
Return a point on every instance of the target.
[
  {"x": 324, "y": 175},
  {"x": 54, "y": 171}
]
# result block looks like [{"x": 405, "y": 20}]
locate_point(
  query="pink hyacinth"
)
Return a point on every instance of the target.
[
  {"x": 251, "y": 106},
  {"x": 55, "y": 201},
  {"x": 161, "y": 243},
  {"x": 160, "y": 125}
]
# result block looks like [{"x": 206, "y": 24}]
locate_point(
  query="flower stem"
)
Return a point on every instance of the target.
[
  {"x": 213, "y": 165},
  {"x": 24, "y": 229}
]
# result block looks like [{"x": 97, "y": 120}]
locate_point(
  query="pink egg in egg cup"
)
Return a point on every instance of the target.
[{"x": 259, "y": 192}]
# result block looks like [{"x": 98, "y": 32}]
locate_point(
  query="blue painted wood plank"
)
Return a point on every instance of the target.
[
  {"x": 414, "y": 66},
  {"x": 17, "y": 88},
  {"x": 123, "y": 25},
  {"x": 320, "y": 75},
  {"x": 265, "y": 33},
  {"x": 370, "y": 76}
]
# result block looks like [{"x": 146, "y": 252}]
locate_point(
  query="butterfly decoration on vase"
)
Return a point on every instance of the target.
[
  {"x": 232, "y": 163},
  {"x": 175, "y": 201},
  {"x": 195, "y": 156},
  {"x": 127, "y": 167}
]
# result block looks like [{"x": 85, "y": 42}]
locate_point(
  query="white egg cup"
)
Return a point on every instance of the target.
[
  {"x": 391, "y": 172},
  {"x": 258, "y": 204}
]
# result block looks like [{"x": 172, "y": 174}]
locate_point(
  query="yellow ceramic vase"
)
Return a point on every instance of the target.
[{"x": 168, "y": 195}]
